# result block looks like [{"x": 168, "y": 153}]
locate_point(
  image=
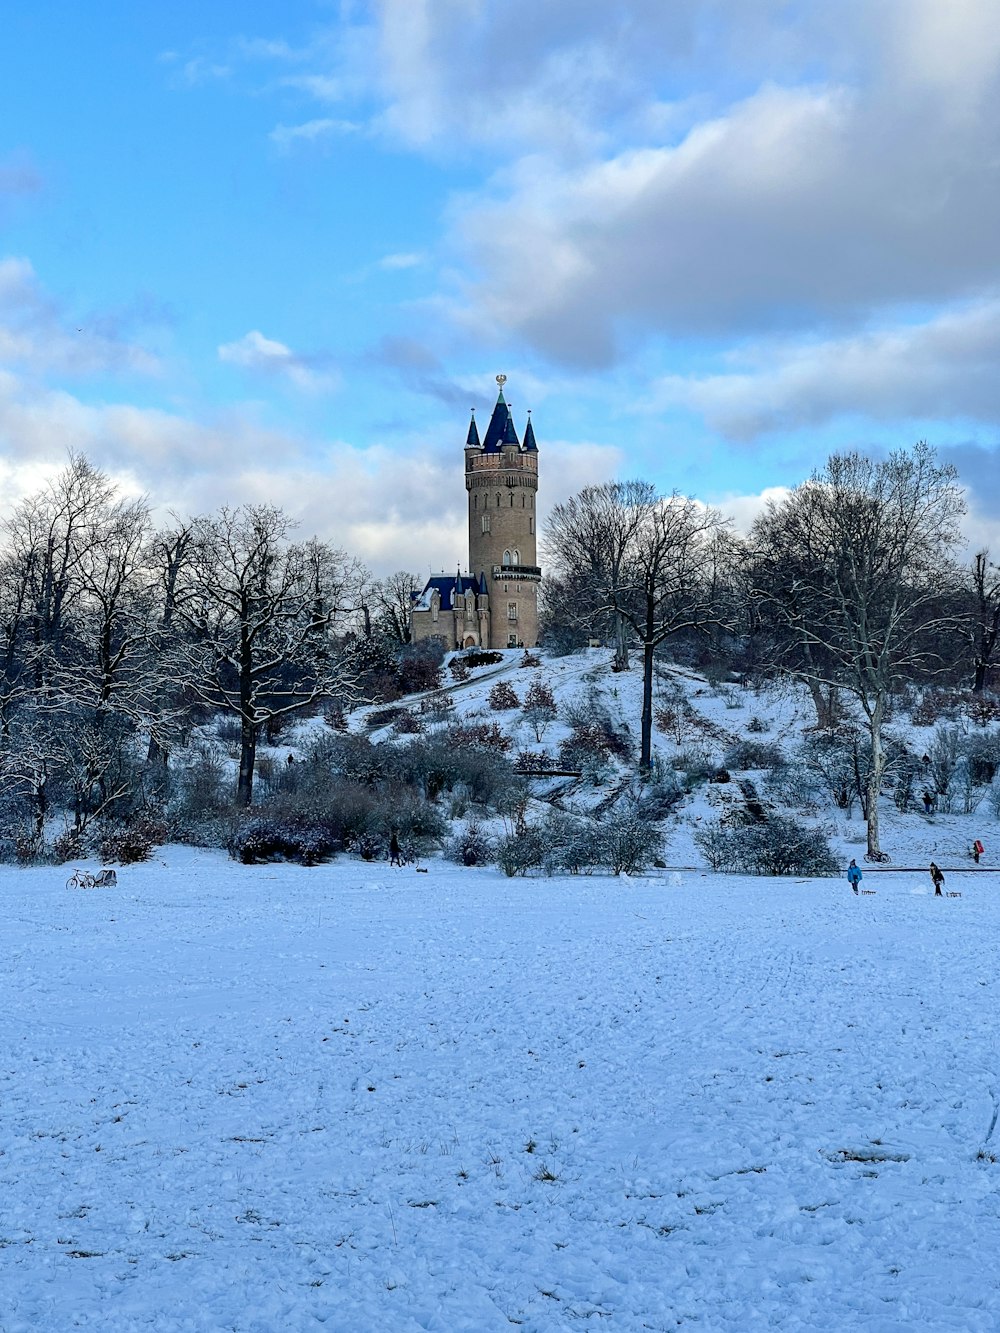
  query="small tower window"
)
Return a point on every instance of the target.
[
  {"x": 531, "y": 525},
  {"x": 486, "y": 522},
  {"x": 506, "y": 557},
  {"x": 498, "y": 499},
  {"x": 517, "y": 557},
  {"x": 475, "y": 502},
  {"x": 512, "y": 499},
  {"x": 512, "y": 610}
]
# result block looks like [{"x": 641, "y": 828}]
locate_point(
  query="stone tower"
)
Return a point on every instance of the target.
[{"x": 501, "y": 477}]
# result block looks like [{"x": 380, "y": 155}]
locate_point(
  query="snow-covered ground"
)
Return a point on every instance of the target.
[{"x": 272, "y": 1098}]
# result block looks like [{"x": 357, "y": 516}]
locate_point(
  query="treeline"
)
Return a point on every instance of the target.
[
  {"x": 850, "y": 585},
  {"x": 117, "y": 639}
]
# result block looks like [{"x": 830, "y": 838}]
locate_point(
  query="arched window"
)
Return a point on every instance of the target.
[
  {"x": 517, "y": 557},
  {"x": 498, "y": 499},
  {"x": 512, "y": 499},
  {"x": 506, "y": 557},
  {"x": 522, "y": 499},
  {"x": 475, "y": 502}
]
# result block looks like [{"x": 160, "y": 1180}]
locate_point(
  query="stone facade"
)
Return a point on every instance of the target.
[{"x": 494, "y": 605}]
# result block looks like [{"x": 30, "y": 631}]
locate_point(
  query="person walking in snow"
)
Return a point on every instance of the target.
[
  {"x": 937, "y": 877},
  {"x": 854, "y": 874},
  {"x": 395, "y": 855}
]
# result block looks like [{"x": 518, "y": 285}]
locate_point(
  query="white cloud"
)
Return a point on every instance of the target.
[
  {"x": 944, "y": 368},
  {"x": 287, "y": 137},
  {"x": 410, "y": 259},
  {"x": 253, "y": 352}
]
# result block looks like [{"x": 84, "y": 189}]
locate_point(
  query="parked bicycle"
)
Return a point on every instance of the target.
[
  {"x": 83, "y": 879},
  {"x": 879, "y": 858}
]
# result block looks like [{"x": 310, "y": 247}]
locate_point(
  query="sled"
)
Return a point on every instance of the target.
[
  {"x": 869, "y": 893},
  {"x": 953, "y": 893}
]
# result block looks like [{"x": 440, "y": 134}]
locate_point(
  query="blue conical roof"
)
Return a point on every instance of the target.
[
  {"x": 496, "y": 431},
  {"x": 529, "y": 436},
  {"x": 472, "y": 439}
]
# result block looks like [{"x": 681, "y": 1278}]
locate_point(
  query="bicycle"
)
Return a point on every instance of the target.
[
  {"x": 83, "y": 879},
  {"x": 879, "y": 858}
]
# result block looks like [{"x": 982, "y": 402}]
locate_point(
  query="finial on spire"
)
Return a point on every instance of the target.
[{"x": 501, "y": 380}]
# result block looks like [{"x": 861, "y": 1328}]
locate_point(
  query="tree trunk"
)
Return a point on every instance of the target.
[
  {"x": 248, "y": 756},
  {"x": 979, "y": 683},
  {"x": 875, "y": 778},
  {"x": 648, "y": 648},
  {"x": 621, "y": 643}
]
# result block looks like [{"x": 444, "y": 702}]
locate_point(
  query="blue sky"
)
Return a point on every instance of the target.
[{"x": 276, "y": 252}]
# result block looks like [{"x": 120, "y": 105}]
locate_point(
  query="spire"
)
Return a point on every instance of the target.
[
  {"x": 496, "y": 431},
  {"x": 472, "y": 439},
  {"x": 529, "y": 436}
]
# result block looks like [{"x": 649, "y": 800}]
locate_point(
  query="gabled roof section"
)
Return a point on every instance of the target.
[
  {"x": 472, "y": 439},
  {"x": 448, "y": 586},
  {"x": 529, "y": 437}
]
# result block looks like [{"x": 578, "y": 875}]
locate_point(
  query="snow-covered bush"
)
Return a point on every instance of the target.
[
  {"x": 628, "y": 842},
  {"x": 407, "y": 723},
  {"x": 518, "y": 852},
  {"x": 747, "y": 753},
  {"x": 503, "y": 697},
  {"x": 261, "y": 838},
  {"x": 132, "y": 842},
  {"x": 471, "y": 846},
  {"x": 570, "y": 844},
  {"x": 780, "y": 846}
]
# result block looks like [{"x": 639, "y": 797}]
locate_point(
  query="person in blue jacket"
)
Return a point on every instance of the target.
[{"x": 854, "y": 874}]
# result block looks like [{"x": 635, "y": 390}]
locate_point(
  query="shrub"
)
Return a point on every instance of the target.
[
  {"x": 754, "y": 754},
  {"x": 530, "y": 660},
  {"x": 503, "y": 697},
  {"x": 419, "y": 666},
  {"x": 480, "y": 659},
  {"x": 628, "y": 842},
  {"x": 483, "y": 735},
  {"x": 519, "y": 852},
  {"x": 471, "y": 846},
  {"x": 697, "y": 765},
  {"x": 570, "y": 844},
  {"x": 758, "y": 725},
  {"x": 778, "y": 847},
  {"x": 459, "y": 669},
  {"x": 382, "y": 717},
  {"x": 370, "y": 846},
  {"x": 659, "y": 796},
  {"x": 407, "y": 723},
  {"x": 261, "y": 838},
  {"x": 132, "y": 842},
  {"x": 335, "y": 717}
]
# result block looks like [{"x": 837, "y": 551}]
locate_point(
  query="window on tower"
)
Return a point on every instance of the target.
[
  {"x": 486, "y": 522},
  {"x": 531, "y": 525},
  {"x": 512, "y": 610},
  {"x": 517, "y": 557},
  {"x": 506, "y": 557}
]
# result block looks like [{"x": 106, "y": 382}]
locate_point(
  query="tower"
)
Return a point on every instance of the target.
[{"x": 501, "y": 478}]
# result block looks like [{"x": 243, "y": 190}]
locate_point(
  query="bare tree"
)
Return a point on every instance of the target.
[
  {"x": 392, "y": 598},
  {"x": 646, "y": 562},
  {"x": 985, "y": 629},
  {"x": 258, "y": 608},
  {"x": 850, "y": 568}
]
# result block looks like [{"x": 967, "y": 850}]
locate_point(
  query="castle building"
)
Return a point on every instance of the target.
[{"x": 495, "y": 604}]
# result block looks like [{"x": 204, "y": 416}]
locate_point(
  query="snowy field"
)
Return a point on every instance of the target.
[{"x": 347, "y": 1098}]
